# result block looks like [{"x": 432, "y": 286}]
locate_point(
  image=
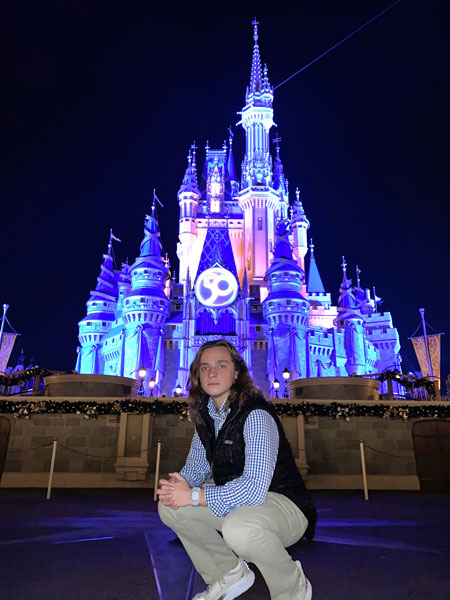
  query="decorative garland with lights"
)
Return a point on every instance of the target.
[
  {"x": 408, "y": 384},
  {"x": 91, "y": 410},
  {"x": 10, "y": 379}
]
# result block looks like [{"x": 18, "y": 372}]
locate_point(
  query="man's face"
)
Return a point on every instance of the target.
[{"x": 217, "y": 373}]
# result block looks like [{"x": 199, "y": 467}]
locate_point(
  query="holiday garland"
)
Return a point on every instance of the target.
[{"x": 91, "y": 409}]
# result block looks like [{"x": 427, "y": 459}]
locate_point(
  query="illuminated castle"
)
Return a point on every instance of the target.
[{"x": 242, "y": 276}]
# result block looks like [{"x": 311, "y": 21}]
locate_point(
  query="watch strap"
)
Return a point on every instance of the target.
[{"x": 195, "y": 496}]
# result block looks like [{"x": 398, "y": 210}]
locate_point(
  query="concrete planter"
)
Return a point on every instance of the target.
[
  {"x": 334, "y": 388},
  {"x": 93, "y": 386}
]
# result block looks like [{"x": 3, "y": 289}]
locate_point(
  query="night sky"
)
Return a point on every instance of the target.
[{"x": 101, "y": 101}]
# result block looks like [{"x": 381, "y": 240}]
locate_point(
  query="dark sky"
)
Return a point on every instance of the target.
[{"x": 101, "y": 100}]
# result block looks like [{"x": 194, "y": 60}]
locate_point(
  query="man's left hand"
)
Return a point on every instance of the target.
[{"x": 174, "y": 492}]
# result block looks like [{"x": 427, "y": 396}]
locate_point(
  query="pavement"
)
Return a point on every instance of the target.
[{"x": 111, "y": 545}]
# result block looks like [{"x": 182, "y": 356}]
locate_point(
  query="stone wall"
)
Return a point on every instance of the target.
[
  {"x": 94, "y": 444},
  {"x": 113, "y": 451}
]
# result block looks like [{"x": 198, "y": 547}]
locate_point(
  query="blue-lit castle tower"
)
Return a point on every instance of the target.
[{"x": 242, "y": 276}]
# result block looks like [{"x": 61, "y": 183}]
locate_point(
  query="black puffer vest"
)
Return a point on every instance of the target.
[{"x": 226, "y": 455}]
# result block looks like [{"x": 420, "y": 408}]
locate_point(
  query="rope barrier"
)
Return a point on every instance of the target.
[
  {"x": 98, "y": 456},
  {"x": 27, "y": 449},
  {"x": 386, "y": 453},
  {"x": 53, "y": 461}
]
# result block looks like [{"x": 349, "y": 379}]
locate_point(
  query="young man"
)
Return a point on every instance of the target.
[{"x": 240, "y": 478}]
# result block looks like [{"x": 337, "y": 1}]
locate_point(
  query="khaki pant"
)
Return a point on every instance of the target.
[{"x": 258, "y": 534}]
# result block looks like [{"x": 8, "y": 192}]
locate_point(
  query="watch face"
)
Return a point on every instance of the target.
[
  {"x": 216, "y": 287},
  {"x": 195, "y": 495}
]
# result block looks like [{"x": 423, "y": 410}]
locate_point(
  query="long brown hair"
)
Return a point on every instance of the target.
[{"x": 242, "y": 388}]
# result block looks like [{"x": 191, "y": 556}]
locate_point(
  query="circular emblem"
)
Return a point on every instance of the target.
[{"x": 216, "y": 287}]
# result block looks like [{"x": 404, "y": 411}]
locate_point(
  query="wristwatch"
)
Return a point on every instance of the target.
[{"x": 195, "y": 496}]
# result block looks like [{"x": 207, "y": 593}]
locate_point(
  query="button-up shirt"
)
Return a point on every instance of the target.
[{"x": 261, "y": 451}]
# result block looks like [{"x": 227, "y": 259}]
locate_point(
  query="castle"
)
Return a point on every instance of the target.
[{"x": 242, "y": 276}]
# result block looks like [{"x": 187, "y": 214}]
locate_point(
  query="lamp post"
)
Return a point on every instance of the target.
[
  {"x": 178, "y": 390},
  {"x": 286, "y": 375},
  {"x": 276, "y": 385},
  {"x": 152, "y": 384},
  {"x": 142, "y": 373}
]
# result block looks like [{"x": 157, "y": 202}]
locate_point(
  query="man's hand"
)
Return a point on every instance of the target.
[{"x": 174, "y": 492}]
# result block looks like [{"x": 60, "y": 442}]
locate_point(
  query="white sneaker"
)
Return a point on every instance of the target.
[
  {"x": 304, "y": 587},
  {"x": 231, "y": 585}
]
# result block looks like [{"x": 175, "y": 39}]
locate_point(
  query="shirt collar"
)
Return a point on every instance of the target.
[{"x": 213, "y": 412}]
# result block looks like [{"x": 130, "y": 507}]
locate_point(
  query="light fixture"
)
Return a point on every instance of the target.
[
  {"x": 152, "y": 384},
  {"x": 276, "y": 385},
  {"x": 142, "y": 373},
  {"x": 286, "y": 375},
  {"x": 178, "y": 390}
]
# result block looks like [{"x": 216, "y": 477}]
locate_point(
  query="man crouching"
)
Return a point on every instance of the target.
[{"x": 240, "y": 478}]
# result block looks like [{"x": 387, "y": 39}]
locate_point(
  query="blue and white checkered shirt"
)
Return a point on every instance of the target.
[{"x": 261, "y": 451}]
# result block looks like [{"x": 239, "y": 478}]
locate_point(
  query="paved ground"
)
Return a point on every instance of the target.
[{"x": 110, "y": 545}]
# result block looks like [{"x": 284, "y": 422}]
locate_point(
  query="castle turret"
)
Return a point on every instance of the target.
[
  {"x": 188, "y": 198},
  {"x": 231, "y": 168},
  {"x": 146, "y": 308},
  {"x": 299, "y": 228},
  {"x": 101, "y": 309},
  {"x": 280, "y": 184},
  {"x": 351, "y": 321},
  {"x": 286, "y": 312}
]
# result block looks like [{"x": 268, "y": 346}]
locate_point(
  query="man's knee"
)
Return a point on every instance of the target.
[
  {"x": 166, "y": 514},
  {"x": 239, "y": 535}
]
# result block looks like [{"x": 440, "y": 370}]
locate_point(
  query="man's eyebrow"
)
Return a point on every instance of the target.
[{"x": 221, "y": 360}]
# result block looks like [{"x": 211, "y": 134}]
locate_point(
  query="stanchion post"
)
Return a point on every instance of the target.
[
  {"x": 363, "y": 469},
  {"x": 52, "y": 468},
  {"x": 158, "y": 460}
]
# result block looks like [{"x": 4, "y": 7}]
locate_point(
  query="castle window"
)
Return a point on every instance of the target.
[
  {"x": 103, "y": 324},
  {"x": 141, "y": 299},
  {"x": 258, "y": 328},
  {"x": 94, "y": 304},
  {"x": 260, "y": 223},
  {"x": 104, "y": 303},
  {"x": 288, "y": 302},
  {"x": 88, "y": 324}
]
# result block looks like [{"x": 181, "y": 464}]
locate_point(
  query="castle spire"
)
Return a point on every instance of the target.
[
  {"x": 230, "y": 164},
  {"x": 151, "y": 244},
  {"x": 190, "y": 183},
  {"x": 314, "y": 285},
  {"x": 256, "y": 72}
]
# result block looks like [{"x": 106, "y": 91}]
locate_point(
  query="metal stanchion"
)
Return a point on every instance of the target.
[
  {"x": 363, "y": 469},
  {"x": 158, "y": 459},
  {"x": 52, "y": 468}
]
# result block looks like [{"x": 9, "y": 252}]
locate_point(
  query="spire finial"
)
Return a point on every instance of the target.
[
  {"x": 344, "y": 267},
  {"x": 277, "y": 141},
  {"x": 311, "y": 246},
  {"x": 230, "y": 136},
  {"x": 194, "y": 163},
  {"x": 297, "y": 194},
  {"x": 255, "y": 24},
  {"x": 358, "y": 273}
]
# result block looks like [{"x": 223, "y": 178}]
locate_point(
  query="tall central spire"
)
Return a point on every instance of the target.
[
  {"x": 256, "y": 73},
  {"x": 257, "y": 119}
]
